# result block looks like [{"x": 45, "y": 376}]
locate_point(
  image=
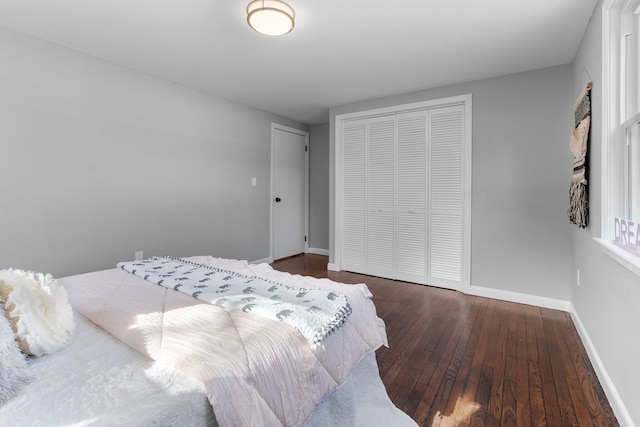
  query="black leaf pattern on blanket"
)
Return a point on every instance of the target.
[{"x": 316, "y": 316}]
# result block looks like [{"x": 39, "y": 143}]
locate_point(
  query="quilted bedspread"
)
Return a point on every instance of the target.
[{"x": 257, "y": 372}]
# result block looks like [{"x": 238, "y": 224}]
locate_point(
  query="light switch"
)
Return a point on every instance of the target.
[{"x": 254, "y": 182}]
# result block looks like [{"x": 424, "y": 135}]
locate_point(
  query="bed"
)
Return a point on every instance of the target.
[{"x": 144, "y": 354}]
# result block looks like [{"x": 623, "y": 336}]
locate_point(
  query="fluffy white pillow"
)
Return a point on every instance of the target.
[
  {"x": 13, "y": 366},
  {"x": 38, "y": 308}
]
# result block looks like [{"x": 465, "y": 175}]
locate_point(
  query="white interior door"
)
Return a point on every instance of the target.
[
  {"x": 381, "y": 196},
  {"x": 411, "y": 226},
  {"x": 289, "y": 191},
  {"x": 354, "y": 201},
  {"x": 447, "y": 196}
]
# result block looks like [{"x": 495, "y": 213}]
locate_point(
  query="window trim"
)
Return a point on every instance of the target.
[
  {"x": 612, "y": 126},
  {"x": 624, "y": 258}
]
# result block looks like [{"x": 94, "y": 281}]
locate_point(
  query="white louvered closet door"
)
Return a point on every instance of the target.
[
  {"x": 381, "y": 196},
  {"x": 446, "y": 196},
  {"x": 354, "y": 143},
  {"x": 411, "y": 208},
  {"x": 406, "y": 177}
]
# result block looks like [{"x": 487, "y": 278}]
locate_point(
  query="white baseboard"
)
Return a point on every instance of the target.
[
  {"x": 552, "y": 303},
  {"x": 260, "y": 261},
  {"x": 619, "y": 409},
  {"x": 317, "y": 251},
  {"x": 332, "y": 267}
]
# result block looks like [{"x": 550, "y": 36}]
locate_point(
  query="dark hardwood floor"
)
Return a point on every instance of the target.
[{"x": 459, "y": 360}]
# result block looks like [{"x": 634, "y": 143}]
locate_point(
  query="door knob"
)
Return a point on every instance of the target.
[{"x": 278, "y": 199}]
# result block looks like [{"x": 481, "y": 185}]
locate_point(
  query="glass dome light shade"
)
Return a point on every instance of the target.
[{"x": 270, "y": 17}]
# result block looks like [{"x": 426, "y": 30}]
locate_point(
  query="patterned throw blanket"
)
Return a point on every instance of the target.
[{"x": 314, "y": 312}]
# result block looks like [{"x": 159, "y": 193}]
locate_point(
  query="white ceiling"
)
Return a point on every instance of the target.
[{"x": 341, "y": 51}]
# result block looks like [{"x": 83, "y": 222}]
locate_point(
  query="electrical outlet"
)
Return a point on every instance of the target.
[
  {"x": 578, "y": 277},
  {"x": 139, "y": 256}
]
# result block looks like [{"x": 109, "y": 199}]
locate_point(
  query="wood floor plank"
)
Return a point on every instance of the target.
[
  {"x": 523, "y": 406},
  {"x": 492, "y": 362},
  {"x": 551, "y": 408},
  {"x": 448, "y": 354},
  {"x": 509, "y": 412},
  {"x": 406, "y": 340},
  {"x": 410, "y": 398},
  {"x": 475, "y": 387},
  {"x": 560, "y": 372},
  {"x": 431, "y": 411},
  {"x": 417, "y": 349},
  {"x": 494, "y": 410},
  {"x": 536, "y": 396},
  {"x": 457, "y": 360},
  {"x": 587, "y": 394},
  {"x": 454, "y": 405}
]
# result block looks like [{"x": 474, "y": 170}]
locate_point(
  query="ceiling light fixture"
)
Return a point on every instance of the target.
[{"x": 270, "y": 17}]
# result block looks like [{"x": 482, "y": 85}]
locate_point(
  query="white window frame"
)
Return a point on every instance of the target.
[{"x": 614, "y": 125}]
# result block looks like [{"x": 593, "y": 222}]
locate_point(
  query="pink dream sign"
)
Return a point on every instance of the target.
[{"x": 627, "y": 235}]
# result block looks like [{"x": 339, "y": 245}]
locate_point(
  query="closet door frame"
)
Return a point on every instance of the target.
[{"x": 463, "y": 100}]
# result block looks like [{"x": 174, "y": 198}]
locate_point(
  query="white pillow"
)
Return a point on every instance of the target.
[
  {"x": 38, "y": 308},
  {"x": 13, "y": 366}
]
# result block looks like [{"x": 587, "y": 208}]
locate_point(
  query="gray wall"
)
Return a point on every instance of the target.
[
  {"x": 520, "y": 238},
  {"x": 99, "y": 161},
  {"x": 319, "y": 187},
  {"x": 608, "y": 296}
]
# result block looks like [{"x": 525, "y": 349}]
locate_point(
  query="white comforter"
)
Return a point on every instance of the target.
[
  {"x": 256, "y": 372},
  {"x": 97, "y": 381}
]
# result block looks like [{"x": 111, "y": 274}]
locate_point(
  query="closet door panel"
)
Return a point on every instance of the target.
[
  {"x": 354, "y": 190},
  {"x": 382, "y": 132},
  {"x": 380, "y": 244},
  {"x": 354, "y": 247},
  {"x": 381, "y": 196},
  {"x": 446, "y": 195},
  {"x": 411, "y": 235},
  {"x": 412, "y": 250},
  {"x": 355, "y": 164},
  {"x": 412, "y": 160},
  {"x": 446, "y": 249}
]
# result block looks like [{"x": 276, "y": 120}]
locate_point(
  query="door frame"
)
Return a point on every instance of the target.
[{"x": 275, "y": 127}]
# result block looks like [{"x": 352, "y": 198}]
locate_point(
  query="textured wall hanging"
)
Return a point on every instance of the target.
[{"x": 578, "y": 193}]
